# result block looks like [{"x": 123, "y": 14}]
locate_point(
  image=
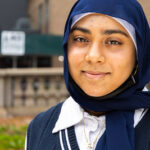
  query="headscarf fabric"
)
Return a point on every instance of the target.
[{"x": 119, "y": 134}]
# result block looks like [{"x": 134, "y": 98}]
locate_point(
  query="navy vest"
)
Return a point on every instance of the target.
[{"x": 40, "y": 137}]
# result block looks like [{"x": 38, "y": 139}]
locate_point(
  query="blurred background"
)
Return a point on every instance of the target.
[{"x": 31, "y": 63}]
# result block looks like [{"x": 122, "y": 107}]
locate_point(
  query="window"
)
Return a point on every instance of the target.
[
  {"x": 6, "y": 62},
  {"x": 24, "y": 62},
  {"x": 43, "y": 61}
]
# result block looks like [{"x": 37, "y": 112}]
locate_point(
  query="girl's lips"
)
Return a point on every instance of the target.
[{"x": 95, "y": 75}]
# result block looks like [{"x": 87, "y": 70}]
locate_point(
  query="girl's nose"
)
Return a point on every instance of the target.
[{"x": 95, "y": 54}]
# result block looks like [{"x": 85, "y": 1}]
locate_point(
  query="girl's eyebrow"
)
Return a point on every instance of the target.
[
  {"x": 84, "y": 30},
  {"x": 109, "y": 32}
]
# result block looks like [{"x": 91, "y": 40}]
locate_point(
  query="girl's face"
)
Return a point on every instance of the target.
[{"x": 101, "y": 54}]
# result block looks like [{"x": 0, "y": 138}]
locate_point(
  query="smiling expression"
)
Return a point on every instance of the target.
[{"x": 101, "y": 54}]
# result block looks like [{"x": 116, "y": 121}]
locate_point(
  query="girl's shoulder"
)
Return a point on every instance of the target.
[
  {"x": 41, "y": 126},
  {"x": 47, "y": 115},
  {"x": 142, "y": 133}
]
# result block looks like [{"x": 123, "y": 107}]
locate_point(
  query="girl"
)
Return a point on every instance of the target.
[{"x": 106, "y": 67}]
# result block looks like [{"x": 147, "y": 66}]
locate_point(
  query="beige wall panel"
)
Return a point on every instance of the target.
[
  {"x": 59, "y": 10},
  {"x": 33, "y": 12},
  {"x": 146, "y": 6}
]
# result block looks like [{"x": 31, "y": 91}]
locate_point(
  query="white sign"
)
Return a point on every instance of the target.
[{"x": 12, "y": 43}]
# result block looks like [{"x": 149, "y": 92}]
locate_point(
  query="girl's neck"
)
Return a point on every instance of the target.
[{"x": 93, "y": 113}]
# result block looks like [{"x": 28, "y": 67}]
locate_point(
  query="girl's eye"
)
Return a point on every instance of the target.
[
  {"x": 80, "y": 39},
  {"x": 113, "y": 42}
]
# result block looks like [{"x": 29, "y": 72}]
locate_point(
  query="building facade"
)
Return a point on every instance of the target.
[{"x": 49, "y": 16}]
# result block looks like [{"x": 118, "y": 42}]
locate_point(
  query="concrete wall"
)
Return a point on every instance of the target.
[
  {"x": 30, "y": 91},
  {"x": 58, "y": 12},
  {"x": 146, "y": 6},
  {"x": 33, "y": 12}
]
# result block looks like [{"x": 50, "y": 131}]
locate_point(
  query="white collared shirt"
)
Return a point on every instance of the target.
[{"x": 72, "y": 115}]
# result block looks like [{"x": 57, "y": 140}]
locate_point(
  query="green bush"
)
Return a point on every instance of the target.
[{"x": 12, "y": 137}]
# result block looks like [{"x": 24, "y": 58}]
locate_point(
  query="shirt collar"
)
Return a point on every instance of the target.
[{"x": 71, "y": 114}]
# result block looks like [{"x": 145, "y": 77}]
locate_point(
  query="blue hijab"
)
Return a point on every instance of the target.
[{"x": 119, "y": 134}]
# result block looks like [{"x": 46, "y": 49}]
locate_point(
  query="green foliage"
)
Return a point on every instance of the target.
[{"x": 12, "y": 138}]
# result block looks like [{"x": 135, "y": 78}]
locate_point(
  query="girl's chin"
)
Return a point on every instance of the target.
[{"x": 96, "y": 94}]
